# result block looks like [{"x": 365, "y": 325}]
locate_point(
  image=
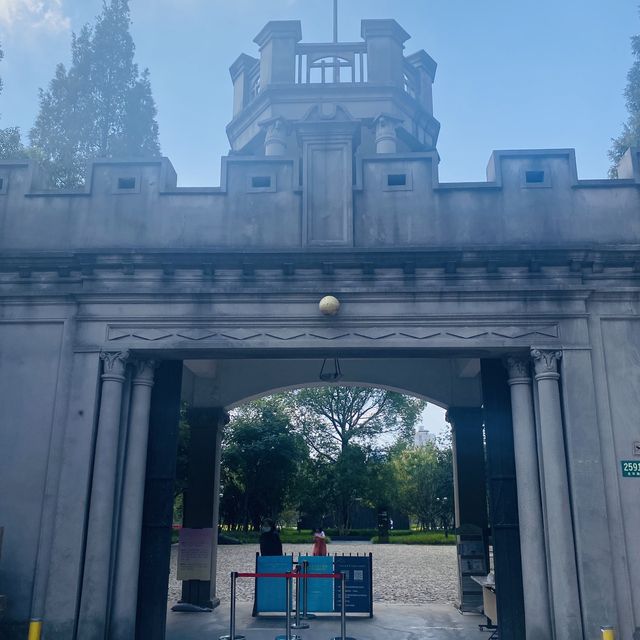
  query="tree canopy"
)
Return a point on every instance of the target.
[
  {"x": 332, "y": 418},
  {"x": 11, "y": 147},
  {"x": 320, "y": 452},
  {"x": 630, "y": 136},
  {"x": 348, "y": 430},
  {"x": 101, "y": 107},
  {"x": 423, "y": 477},
  {"x": 260, "y": 461}
]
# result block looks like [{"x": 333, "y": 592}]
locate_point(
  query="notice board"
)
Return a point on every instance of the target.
[
  {"x": 194, "y": 554},
  {"x": 271, "y": 592},
  {"x": 359, "y": 583},
  {"x": 320, "y": 590}
]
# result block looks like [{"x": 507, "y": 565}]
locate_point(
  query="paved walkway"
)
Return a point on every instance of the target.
[
  {"x": 414, "y": 588},
  {"x": 402, "y": 574},
  {"x": 390, "y": 622}
]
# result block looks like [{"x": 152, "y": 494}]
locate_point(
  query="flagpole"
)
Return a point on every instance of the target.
[{"x": 335, "y": 20}]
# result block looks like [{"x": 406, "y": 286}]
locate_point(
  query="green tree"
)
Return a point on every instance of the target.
[
  {"x": 332, "y": 418},
  {"x": 11, "y": 147},
  {"x": 261, "y": 458},
  {"x": 348, "y": 429},
  {"x": 630, "y": 136},
  {"x": 424, "y": 481},
  {"x": 101, "y": 107}
]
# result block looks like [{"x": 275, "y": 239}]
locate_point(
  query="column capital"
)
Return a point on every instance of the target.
[
  {"x": 144, "y": 371},
  {"x": 519, "y": 369},
  {"x": 545, "y": 362},
  {"x": 114, "y": 364}
]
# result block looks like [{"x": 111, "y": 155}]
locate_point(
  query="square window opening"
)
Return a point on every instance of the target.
[
  {"x": 397, "y": 180},
  {"x": 126, "y": 184},
  {"x": 261, "y": 182},
  {"x": 534, "y": 177},
  {"x": 1, "y": 184}
]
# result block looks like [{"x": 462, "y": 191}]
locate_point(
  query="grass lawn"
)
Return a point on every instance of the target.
[{"x": 292, "y": 536}]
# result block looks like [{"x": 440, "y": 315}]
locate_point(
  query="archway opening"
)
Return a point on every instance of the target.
[{"x": 227, "y": 384}]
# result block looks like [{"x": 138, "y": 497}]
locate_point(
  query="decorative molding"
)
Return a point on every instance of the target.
[
  {"x": 546, "y": 363},
  {"x": 114, "y": 364},
  {"x": 206, "y": 334}
]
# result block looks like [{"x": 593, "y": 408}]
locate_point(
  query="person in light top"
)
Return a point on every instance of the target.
[{"x": 319, "y": 543}]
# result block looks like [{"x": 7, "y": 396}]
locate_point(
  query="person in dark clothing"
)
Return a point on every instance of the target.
[{"x": 270, "y": 544}]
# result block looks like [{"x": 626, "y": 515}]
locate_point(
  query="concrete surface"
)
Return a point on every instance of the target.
[{"x": 390, "y": 622}]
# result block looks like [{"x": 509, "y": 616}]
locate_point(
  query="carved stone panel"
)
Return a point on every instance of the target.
[{"x": 328, "y": 194}]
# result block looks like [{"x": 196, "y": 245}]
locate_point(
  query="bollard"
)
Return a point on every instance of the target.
[
  {"x": 35, "y": 629},
  {"x": 232, "y": 614},
  {"x": 343, "y": 611},
  {"x": 287, "y": 605},
  {"x": 305, "y": 607},
  {"x": 297, "y": 624},
  {"x": 608, "y": 633}
]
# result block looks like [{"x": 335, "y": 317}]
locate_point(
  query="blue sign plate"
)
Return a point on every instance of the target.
[
  {"x": 320, "y": 596},
  {"x": 358, "y": 596}
]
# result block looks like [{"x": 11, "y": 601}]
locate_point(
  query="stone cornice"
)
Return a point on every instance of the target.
[{"x": 535, "y": 258}]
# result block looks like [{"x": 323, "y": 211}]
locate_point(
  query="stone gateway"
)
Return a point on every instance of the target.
[{"x": 514, "y": 303}]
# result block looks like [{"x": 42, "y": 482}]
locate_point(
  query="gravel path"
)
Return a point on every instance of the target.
[{"x": 406, "y": 574}]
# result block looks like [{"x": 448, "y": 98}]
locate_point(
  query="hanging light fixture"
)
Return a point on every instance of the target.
[{"x": 330, "y": 371}]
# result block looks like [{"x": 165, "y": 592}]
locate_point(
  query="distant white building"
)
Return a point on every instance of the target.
[{"x": 423, "y": 437}]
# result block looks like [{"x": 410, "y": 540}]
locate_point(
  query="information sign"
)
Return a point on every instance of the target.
[
  {"x": 271, "y": 592},
  {"x": 194, "y": 554},
  {"x": 630, "y": 468},
  {"x": 320, "y": 590},
  {"x": 359, "y": 596}
]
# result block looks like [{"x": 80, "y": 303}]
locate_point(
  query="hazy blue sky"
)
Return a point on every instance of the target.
[{"x": 511, "y": 74}]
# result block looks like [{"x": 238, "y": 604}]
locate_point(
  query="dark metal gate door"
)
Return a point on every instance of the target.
[
  {"x": 503, "y": 500},
  {"x": 155, "y": 553}
]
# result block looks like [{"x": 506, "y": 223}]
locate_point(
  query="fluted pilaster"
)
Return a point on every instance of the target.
[
  {"x": 562, "y": 561},
  {"x": 534, "y": 566},
  {"x": 97, "y": 567},
  {"x": 123, "y": 615}
]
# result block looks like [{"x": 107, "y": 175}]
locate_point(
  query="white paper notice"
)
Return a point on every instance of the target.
[{"x": 194, "y": 554}]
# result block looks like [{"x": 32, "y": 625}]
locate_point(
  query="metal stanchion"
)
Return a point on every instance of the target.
[
  {"x": 343, "y": 611},
  {"x": 287, "y": 634},
  {"x": 297, "y": 624},
  {"x": 232, "y": 615},
  {"x": 305, "y": 606}
]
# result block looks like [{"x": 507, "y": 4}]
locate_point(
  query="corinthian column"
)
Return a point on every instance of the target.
[
  {"x": 125, "y": 596},
  {"x": 97, "y": 567},
  {"x": 534, "y": 564},
  {"x": 565, "y": 601}
]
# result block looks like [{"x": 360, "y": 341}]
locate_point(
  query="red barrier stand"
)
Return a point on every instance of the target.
[{"x": 289, "y": 577}]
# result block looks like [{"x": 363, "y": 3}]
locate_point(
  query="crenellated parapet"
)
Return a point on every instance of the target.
[{"x": 278, "y": 202}]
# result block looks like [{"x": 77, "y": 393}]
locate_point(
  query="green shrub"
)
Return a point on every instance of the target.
[{"x": 418, "y": 537}]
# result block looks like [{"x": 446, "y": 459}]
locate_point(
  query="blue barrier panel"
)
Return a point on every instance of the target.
[
  {"x": 359, "y": 596},
  {"x": 271, "y": 592},
  {"x": 320, "y": 597}
]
